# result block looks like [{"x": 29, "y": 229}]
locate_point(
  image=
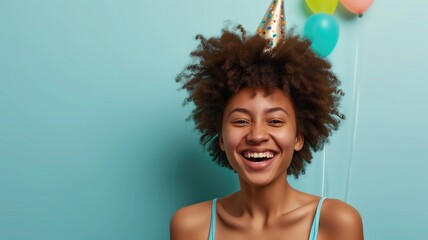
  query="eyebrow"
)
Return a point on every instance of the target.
[
  {"x": 269, "y": 110},
  {"x": 275, "y": 109}
]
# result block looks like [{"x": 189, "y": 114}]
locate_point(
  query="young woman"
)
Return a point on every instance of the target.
[{"x": 262, "y": 112}]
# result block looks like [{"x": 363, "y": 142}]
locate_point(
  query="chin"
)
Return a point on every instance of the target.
[{"x": 260, "y": 179}]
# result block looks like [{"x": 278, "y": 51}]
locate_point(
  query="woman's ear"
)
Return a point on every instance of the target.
[
  {"x": 298, "y": 142},
  {"x": 220, "y": 142}
]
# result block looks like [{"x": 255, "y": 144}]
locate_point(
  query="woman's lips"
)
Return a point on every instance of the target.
[{"x": 258, "y": 160}]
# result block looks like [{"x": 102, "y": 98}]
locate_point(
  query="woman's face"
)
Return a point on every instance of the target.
[{"x": 259, "y": 135}]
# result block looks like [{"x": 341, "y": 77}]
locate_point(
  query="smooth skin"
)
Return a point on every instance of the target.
[{"x": 266, "y": 206}]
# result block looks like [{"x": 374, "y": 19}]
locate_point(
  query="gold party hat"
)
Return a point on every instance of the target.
[{"x": 272, "y": 26}]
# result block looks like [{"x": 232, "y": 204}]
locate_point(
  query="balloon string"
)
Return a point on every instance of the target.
[
  {"x": 356, "y": 101},
  {"x": 323, "y": 172}
]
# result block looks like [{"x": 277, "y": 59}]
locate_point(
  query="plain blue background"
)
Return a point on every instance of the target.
[{"x": 93, "y": 138}]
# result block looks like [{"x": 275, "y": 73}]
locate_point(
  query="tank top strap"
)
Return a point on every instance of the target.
[
  {"x": 213, "y": 216},
  {"x": 314, "y": 229}
]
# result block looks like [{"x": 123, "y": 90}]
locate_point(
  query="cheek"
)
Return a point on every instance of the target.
[
  {"x": 232, "y": 136},
  {"x": 286, "y": 141},
  {"x": 231, "y": 140}
]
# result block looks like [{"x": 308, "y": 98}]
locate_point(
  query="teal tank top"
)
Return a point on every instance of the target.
[{"x": 312, "y": 235}]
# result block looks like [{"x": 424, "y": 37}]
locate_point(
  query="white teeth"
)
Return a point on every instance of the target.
[{"x": 258, "y": 155}]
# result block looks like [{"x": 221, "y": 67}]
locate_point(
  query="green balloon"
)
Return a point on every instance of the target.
[{"x": 325, "y": 6}]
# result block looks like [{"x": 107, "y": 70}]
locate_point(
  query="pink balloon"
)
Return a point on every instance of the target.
[{"x": 357, "y": 6}]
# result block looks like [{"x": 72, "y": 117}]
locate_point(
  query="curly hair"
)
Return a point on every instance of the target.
[{"x": 224, "y": 65}]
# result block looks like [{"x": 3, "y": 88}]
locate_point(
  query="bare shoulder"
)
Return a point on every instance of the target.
[
  {"x": 340, "y": 220},
  {"x": 191, "y": 222}
]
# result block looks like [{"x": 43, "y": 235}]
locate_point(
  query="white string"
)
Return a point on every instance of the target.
[
  {"x": 356, "y": 101},
  {"x": 323, "y": 173}
]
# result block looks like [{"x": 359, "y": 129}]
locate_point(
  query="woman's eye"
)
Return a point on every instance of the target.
[
  {"x": 276, "y": 122},
  {"x": 240, "y": 122}
]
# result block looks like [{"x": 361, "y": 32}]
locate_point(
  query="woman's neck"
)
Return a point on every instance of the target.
[{"x": 269, "y": 201}]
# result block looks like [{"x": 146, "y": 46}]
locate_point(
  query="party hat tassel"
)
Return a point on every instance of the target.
[{"x": 272, "y": 26}]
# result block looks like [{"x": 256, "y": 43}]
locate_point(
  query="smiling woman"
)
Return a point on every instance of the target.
[
  {"x": 259, "y": 135},
  {"x": 262, "y": 112}
]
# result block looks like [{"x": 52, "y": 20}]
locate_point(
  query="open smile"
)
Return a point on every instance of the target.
[{"x": 258, "y": 160}]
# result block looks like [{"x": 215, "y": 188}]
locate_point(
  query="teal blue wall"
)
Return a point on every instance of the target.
[{"x": 93, "y": 142}]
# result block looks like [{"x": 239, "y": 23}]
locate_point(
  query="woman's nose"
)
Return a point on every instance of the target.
[{"x": 257, "y": 134}]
